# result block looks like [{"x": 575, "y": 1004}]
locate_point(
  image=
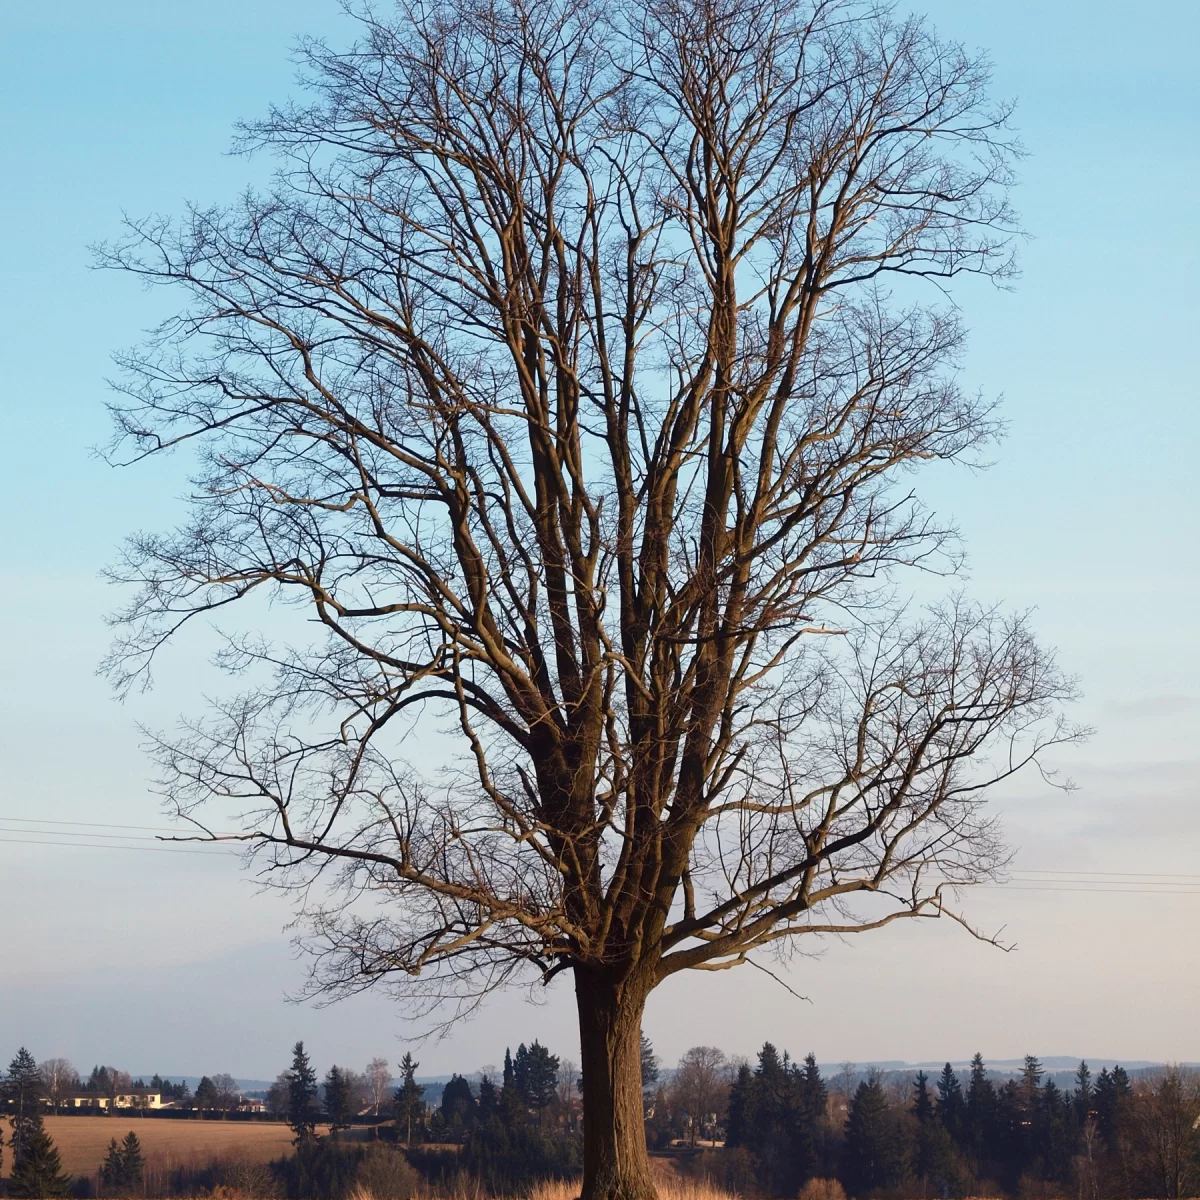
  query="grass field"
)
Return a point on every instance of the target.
[{"x": 82, "y": 1141}]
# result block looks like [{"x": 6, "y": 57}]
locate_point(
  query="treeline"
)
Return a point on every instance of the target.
[
  {"x": 505, "y": 1133},
  {"x": 782, "y": 1124}
]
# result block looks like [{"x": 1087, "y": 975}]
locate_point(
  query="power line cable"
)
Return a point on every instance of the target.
[{"x": 22, "y": 841}]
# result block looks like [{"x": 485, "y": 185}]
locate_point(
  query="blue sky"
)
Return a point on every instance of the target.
[{"x": 172, "y": 962}]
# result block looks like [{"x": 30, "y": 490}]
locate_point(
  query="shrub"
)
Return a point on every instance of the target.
[{"x": 822, "y": 1189}]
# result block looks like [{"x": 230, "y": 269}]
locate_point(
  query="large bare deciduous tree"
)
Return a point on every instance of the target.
[{"x": 570, "y": 382}]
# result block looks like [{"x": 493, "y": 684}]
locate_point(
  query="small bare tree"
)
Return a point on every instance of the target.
[
  {"x": 379, "y": 1083},
  {"x": 227, "y": 1092},
  {"x": 701, "y": 1087},
  {"x": 559, "y": 386},
  {"x": 1167, "y": 1132},
  {"x": 59, "y": 1078}
]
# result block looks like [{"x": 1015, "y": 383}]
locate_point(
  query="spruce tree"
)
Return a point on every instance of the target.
[
  {"x": 409, "y": 1106},
  {"x": 206, "y": 1095},
  {"x": 873, "y": 1151},
  {"x": 535, "y": 1073},
  {"x": 457, "y": 1107},
  {"x": 1083, "y": 1094},
  {"x": 951, "y": 1108},
  {"x": 649, "y": 1064},
  {"x": 337, "y": 1101},
  {"x": 811, "y": 1119},
  {"x": 302, "y": 1096},
  {"x": 132, "y": 1162},
  {"x": 922, "y": 1101},
  {"x": 772, "y": 1121},
  {"x": 37, "y": 1170},
  {"x": 112, "y": 1169},
  {"x": 22, "y": 1089},
  {"x": 488, "y": 1101},
  {"x": 740, "y": 1122},
  {"x": 980, "y": 1111}
]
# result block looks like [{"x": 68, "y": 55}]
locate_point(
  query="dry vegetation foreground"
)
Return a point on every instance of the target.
[{"x": 82, "y": 1141}]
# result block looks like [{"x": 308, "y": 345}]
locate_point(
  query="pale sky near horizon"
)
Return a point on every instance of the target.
[{"x": 172, "y": 962}]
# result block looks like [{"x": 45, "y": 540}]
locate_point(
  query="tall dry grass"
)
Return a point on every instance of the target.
[{"x": 669, "y": 1188}]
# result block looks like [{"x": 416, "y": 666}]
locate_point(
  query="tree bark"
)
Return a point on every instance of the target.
[{"x": 616, "y": 1165}]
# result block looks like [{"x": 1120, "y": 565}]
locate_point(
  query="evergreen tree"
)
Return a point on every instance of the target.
[
  {"x": 302, "y": 1096},
  {"x": 337, "y": 1100},
  {"x": 812, "y": 1120},
  {"x": 649, "y": 1065},
  {"x": 951, "y": 1108},
  {"x": 1056, "y": 1144},
  {"x": 535, "y": 1073},
  {"x": 206, "y": 1095},
  {"x": 458, "y": 1107},
  {"x": 132, "y": 1163},
  {"x": 773, "y": 1122},
  {"x": 922, "y": 1101},
  {"x": 1084, "y": 1093},
  {"x": 873, "y": 1154},
  {"x": 1031, "y": 1078},
  {"x": 37, "y": 1170},
  {"x": 980, "y": 1114},
  {"x": 739, "y": 1125},
  {"x": 410, "y": 1108},
  {"x": 1113, "y": 1098},
  {"x": 488, "y": 1101},
  {"x": 22, "y": 1090},
  {"x": 123, "y": 1167},
  {"x": 112, "y": 1170}
]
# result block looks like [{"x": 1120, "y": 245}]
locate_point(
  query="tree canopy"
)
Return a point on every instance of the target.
[{"x": 570, "y": 384}]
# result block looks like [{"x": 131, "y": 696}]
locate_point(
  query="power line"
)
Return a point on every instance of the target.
[
  {"x": 88, "y": 824},
  {"x": 1141, "y": 886},
  {"x": 1151, "y": 883},
  {"x": 1138, "y": 874},
  {"x": 67, "y": 833},
  {"x": 23, "y": 841}
]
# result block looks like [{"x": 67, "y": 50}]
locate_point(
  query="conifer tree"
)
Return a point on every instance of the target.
[
  {"x": 980, "y": 1109},
  {"x": 1055, "y": 1144},
  {"x": 873, "y": 1152},
  {"x": 22, "y": 1089},
  {"x": 458, "y": 1106},
  {"x": 740, "y": 1121},
  {"x": 811, "y": 1119},
  {"x": 488, "y": 1102},
  {"x": 922, "y": 1101},
  {"x": 1083, "y": 1093},
  {"x": 409, "y": 1105},
  {"x": 337, "y": 1101},
  {"x": 37, "y": 1169},
  {"x": 649, "y": 1064},
  {"x": 112, "y": 1173},
  {"x": 951, "y": 1108},
  {"x": 206, "y": 1095},
  {"x": 535, "y": 1073},
  {"x": 132, "y": 1162},
  {"x": 302, "y": 1096}
]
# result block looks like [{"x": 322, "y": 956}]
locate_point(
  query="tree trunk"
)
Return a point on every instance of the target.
[{"x": 615, "y": 1163}]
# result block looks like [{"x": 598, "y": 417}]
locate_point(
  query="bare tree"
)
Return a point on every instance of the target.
[
  {"x": 700, "y": 1087},
  {"x": 1167, "y": 1133},
  {"x": 379, "y": 1082},
  {"x": 226, "y": 1091},
  {"x": 559, "y": 386},
  {"x": 59, "y": 1078},
  {"x": 568, "y": 1093}
]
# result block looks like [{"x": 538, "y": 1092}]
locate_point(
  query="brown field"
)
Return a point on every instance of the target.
[{"x": 82, "y": 1141}]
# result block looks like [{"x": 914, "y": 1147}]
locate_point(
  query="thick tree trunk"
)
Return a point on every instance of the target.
[{"x": 615, "y": 1163}]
